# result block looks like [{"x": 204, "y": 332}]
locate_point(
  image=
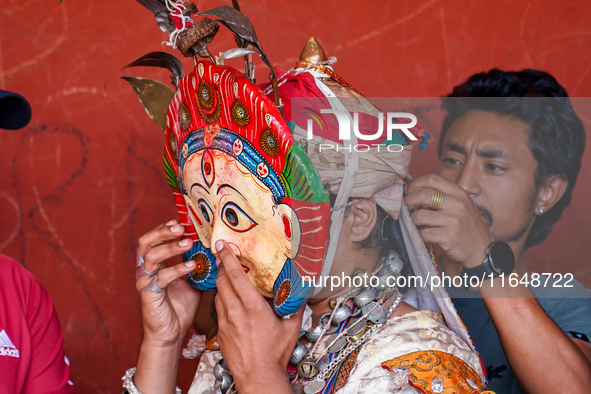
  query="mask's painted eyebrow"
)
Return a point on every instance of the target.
[
  {"x": 231, "y": 187},
  {"x": 199, "y": 185}
]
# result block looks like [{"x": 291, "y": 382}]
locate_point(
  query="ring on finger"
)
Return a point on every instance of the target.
[
  {"x": 153, "y": 286},
  {"x": 437, "y": 200},
  {"x": 139, "y": 259},
  {"x": 141, "y": 270}
]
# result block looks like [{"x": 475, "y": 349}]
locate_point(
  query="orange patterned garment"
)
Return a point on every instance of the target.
[{"x": 450, "y": 373}]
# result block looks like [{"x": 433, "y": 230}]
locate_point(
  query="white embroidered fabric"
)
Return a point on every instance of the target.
[{"x": 411, "y": 332}]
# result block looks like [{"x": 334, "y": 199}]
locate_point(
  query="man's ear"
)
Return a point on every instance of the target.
[
  {"x": 550, "y": 192},
  {"x": 363, "y": 214}
]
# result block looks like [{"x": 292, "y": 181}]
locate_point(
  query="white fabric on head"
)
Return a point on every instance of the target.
[
  {"x": 425, "y": 297},
  {"x": 348, "y": 181}
]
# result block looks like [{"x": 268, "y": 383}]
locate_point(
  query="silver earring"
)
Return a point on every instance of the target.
[{"x": 541, "y": 210}]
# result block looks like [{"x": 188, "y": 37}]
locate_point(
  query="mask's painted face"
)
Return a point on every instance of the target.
[
  {"x": 237, "y": 174},
  {"x": 226, "y": 201}
]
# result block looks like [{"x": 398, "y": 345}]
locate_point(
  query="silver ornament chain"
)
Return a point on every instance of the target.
[
  {"x": 346, "y": 330},
  {"x": 326, "y": 327},
  {"x": 349, "y": 349}
]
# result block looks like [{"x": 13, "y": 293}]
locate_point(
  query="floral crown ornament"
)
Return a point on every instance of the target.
[{"x": 222, "y": 132}]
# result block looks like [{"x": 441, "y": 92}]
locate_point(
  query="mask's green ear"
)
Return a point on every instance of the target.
[{"x": 154, "y": 96}]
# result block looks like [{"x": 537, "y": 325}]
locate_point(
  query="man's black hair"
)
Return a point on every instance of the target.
[{"x": 557, "y": 136}]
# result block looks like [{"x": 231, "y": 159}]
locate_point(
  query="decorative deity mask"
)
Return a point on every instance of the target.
[
  {"x": 235, "y": 170},
  {"x": 237, "y": 174}
]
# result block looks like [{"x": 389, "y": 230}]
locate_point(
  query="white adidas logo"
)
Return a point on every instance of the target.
[{"x": 7, "y": 348}]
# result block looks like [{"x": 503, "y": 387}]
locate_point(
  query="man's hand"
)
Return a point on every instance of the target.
[
  {"x": 255, "y": 343},
  {"x": 166, "y": 315},
  {"x": 527, "y": 333},
  {"x": 458, "y": 228}
]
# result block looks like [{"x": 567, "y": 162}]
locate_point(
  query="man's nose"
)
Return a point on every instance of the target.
[{"x": 469, "y": 179}]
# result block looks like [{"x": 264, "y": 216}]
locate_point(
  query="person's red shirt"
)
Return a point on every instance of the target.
[{"x": 32, "y": 358}]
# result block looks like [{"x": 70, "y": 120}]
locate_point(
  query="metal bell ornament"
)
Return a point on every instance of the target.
[
  {"x": 340, "y": 315},
  {"x": 361, "y": 278},
  {"x": 227, "y": 381},
  {"x": 308, "y": 369},
  {"x": 298, "y": 354},
  {"x": 364, "y": 297}
]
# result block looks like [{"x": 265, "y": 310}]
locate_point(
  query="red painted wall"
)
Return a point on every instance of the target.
[{"x": 85, "y": 179}]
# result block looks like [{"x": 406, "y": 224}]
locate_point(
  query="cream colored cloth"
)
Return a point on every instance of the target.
[
  {"x": 379, "y": 174},
  {"x": 414, "y": 331},
  {"x": 351, "y": 173},
  {"x": 411, "y": 332},
  {"x": 379, "y": 171}
]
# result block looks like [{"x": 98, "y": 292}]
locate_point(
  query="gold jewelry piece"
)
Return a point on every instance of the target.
[
  {"x": 308, "y": 369},
  {"x": 437, "y": 200}
]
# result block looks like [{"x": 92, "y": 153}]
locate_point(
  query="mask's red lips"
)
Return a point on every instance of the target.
[{"x": 246, "y": 269}]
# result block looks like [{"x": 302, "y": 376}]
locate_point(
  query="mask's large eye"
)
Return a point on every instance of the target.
[
  {"x": 206, "y": 211},
  {"x": 236, "y": 219}
]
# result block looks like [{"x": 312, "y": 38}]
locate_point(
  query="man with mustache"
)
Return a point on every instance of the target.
[{"x": 506, "y": 170}]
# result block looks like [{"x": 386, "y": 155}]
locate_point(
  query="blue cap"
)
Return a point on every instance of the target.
[{"x": 15, "y": 111}]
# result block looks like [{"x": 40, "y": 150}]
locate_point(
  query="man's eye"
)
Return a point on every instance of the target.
[
  {"x": 494, "y": 168},
  {"x": 236, "y": 218},
  {"x": 206, "y": 211},
  {"x": 451, "y": 161}
]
